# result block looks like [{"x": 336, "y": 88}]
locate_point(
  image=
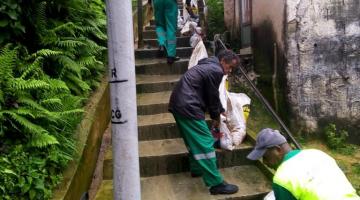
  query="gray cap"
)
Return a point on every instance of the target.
[{"x": 266, "y": 138}]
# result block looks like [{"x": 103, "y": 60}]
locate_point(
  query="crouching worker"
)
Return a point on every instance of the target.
[
  {"x": 196, "y": 92},
  {"x": 301, "y": 174}
]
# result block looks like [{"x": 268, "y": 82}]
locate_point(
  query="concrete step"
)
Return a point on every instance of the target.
[
  {"x": 151, "y": 34},
  {"x": 253, "y": 185},
  {"x": 180, "y": 42},
  {"x": 153, "y": 103},
  {"x": 160, "y": 157},
  {"x": 157, "y": 127},
  {"x": 156, "y": 83},
  {"x": 183, "y": 52},
  {"x": 150, "y": 27},
  {"x": 160, "y": 67}
]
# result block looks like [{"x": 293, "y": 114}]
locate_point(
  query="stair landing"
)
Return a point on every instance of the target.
[{"x": 251, "y": 181}]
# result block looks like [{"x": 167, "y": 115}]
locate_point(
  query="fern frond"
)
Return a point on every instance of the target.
[
  {"x": 25, "y": 112},
  {"x": 69, "y": 64},
  {"x": 46, "y": 53},
  {"x": 36, "y": 64},
  {"x": 77, "y": 81},
  {"x": 69, "y": 43},
  {"x": 86, "y": 61},
  {"x": 25, "y": 123},
  {"x": 7, "y": 62},
  {"x": 31, "y": 103},
  {"x": 21, "y": 84},
  {"x": 57, "y": 85},
  {"x": 66, "y": 27},
  {"x": 53, "y": 104},
  {"x": 70, "y": 112},
  {"x": 42, "y": 140},
  {"x": 40, "y": 13}
]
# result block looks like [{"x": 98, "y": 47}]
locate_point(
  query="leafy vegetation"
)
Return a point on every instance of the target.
[
  {"x": 51, "y": 58},
  {"x": 216, "y": 22}
]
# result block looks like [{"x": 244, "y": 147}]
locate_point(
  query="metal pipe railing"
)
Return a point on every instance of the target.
[{"x": 265, "y": 102}]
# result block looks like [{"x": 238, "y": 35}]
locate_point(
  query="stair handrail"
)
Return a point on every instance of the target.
[{"x": 264, "y": 101}]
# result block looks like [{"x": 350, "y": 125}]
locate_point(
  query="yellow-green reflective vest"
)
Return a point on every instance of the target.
[{"x": 313, "y": 175}]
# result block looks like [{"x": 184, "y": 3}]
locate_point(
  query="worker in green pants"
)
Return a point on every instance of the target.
[
  {"x": 166, "y": 12},
  {"x": 196, "y": 92}
]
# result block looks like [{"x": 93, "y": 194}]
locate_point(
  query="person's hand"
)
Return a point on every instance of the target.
[{"x": 215, "y": 123}]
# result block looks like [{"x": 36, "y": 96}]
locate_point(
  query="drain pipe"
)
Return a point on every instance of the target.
[{"x": 126, "y": 177}]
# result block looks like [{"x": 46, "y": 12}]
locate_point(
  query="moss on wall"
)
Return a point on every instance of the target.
[{"x": 264, "y": 39}]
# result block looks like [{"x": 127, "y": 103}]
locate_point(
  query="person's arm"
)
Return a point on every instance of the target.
[
  {"x": 281, "y": 193},
  {"x": 212, "y": 95}
]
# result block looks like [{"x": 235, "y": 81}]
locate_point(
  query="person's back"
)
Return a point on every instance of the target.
[
  {"x": 313, "y": 175},
  {"x": 195, "y": 91}
]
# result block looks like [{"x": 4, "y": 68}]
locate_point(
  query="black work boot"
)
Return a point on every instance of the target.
[
  {"x": 223, "y": 188},
  {"x": 171, "y": 60}
]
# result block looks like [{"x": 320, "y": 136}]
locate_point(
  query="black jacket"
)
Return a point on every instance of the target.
[{"x": 198, "y": 91}]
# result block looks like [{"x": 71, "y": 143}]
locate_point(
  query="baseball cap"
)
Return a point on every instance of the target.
[{"x": 266, "y": 138}]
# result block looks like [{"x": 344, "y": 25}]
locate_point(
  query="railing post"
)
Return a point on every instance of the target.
[{"x": 140, "y": 22}]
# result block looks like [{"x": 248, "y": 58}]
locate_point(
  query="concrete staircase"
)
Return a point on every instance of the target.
[{"x": 163, "y": 158}]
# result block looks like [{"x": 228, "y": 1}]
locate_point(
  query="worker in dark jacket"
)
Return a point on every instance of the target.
[{"x": 196, "y": 92}]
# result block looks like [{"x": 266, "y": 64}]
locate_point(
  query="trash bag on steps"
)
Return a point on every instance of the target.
[
  {"x": 237, "y": 103},
  {"x": 199, "y": 51},
  {"x": 233, "y": 127}
]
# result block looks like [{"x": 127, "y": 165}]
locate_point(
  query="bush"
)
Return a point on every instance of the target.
[
  {"x": 51, "y": 58},
  {"x": 335, "y": 138},
  {"x": 216, "y": 22}
]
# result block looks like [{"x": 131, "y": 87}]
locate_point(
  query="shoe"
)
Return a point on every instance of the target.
[
  {"x": 223, "y": 188},
  {"x": 171, "y": 60},
  {"x": 193, "y": 175},
  {"x": 161, "y": 52}
]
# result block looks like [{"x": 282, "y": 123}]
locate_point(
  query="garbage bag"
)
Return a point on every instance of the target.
[
  {"x": 198, "y": 53},
  {"x": 236, "y": 118}
]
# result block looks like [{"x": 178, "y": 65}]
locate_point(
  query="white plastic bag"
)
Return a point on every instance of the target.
[
  {"x": 236, "y": 119},
  {"x": 198, "y": 53},
  {"x": 226, "y": 141},
  {"x": 223, "y": 92}
]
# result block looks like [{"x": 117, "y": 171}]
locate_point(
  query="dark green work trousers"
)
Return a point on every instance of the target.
[
  {"x": 199, "y": 142},
  {"x": 166, "y": 12}
]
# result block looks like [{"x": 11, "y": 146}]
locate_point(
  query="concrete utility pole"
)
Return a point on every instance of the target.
[{"x": 126, "y": 176}]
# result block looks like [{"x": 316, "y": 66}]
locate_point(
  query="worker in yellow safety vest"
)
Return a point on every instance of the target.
[{"x": 301, "y": 174}]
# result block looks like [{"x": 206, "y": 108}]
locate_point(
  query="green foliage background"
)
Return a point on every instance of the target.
[
  {"x": 52, "y": 56},
  {"x": 216, "y": 22}
]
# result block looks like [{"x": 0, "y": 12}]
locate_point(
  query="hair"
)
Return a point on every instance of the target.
[{"x": 228, "y": 56}]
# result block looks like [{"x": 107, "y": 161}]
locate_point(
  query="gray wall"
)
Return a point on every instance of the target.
[
  {"x": 323, "y": 60},
  {"x": 268, "y": 25}
]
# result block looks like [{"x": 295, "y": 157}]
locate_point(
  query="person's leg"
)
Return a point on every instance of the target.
[
  {"x": 160, "y": 21},
  {"x": 171, "y": 13},
  {"x": 199, "y": 141}
]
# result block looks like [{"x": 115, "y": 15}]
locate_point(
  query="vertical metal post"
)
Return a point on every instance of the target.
[
  {"x": 140, "y": 22},
  {"x": 126, "y": 177}
]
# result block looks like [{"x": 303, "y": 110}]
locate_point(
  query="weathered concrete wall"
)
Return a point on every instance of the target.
[
  {"x": 232, "y": 17},
  {"x": 268, "y": 19},
  {"x": 323, "y": 54},
  {"x": 229, "y": 14},
  {"x": 273, "y": 11}
]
